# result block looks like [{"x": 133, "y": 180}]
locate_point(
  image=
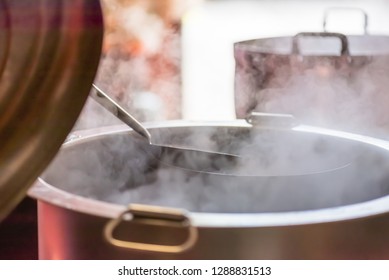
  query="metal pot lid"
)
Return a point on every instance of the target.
[{"x": 49, "y": 54}]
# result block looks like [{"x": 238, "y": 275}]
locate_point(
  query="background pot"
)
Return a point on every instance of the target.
[
  {"x": 241, "y": 218},
  {"x": 322, "y": 78}
]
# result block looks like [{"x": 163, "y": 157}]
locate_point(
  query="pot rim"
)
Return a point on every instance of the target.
[
  {"x": 251, "y": 46},
  {"x": 43, "y": 191}
]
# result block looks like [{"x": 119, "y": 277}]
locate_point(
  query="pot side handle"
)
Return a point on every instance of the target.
[
  {"x": 344, "y": 51},
  {"x": 156, "y": 216}
]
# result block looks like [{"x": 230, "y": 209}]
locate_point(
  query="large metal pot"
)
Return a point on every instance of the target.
[
  {"x": 323, "y": 78},
  {"x": 103, "y": 198}
]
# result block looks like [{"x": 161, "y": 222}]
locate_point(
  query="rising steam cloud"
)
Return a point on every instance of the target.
[{"x": 293, "y": 172}]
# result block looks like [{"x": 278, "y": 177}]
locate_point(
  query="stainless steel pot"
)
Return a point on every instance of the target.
[
  {"x": 323, "y": 78},
  {"x": 100, "y": 201}
]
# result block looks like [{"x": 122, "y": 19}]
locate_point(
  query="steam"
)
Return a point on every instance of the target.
[
  {"x": 119, "y": 168},
  {"x": 292, "y": 171}
]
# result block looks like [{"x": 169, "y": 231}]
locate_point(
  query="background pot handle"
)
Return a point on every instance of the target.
[
  {"x": 344, "y": 51},
  {"x": 156, "y": 216},
  {"x": 330, "y": 10}
]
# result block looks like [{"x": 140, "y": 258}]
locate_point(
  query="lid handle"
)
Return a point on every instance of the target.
[{"x": 330, "y": 10}]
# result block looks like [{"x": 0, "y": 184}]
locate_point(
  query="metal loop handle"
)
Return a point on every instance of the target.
[
  {"x": 156, "y": 216},
  {"x": 364, "y": 14},
  {"x": 344, "y": 51}
]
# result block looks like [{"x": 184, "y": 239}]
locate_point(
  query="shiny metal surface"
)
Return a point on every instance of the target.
[
  {"x": 49, "y": 53},
  {"x": 67, "y": 234},
  {"x": 352, "y": 231},
  {"x": 118, "y": 111}
]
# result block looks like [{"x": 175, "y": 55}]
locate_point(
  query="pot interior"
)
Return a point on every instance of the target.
[{"x": 298, "y": 171}]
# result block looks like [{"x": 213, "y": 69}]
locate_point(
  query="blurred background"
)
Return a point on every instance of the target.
[{"x": 173, "y": 59}]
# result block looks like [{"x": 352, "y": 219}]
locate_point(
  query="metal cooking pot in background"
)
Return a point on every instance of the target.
[
  {"x": 49, "y": 53},
  {"x": 103, "y": 198},
  {"x": 322, "y": 78}
]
